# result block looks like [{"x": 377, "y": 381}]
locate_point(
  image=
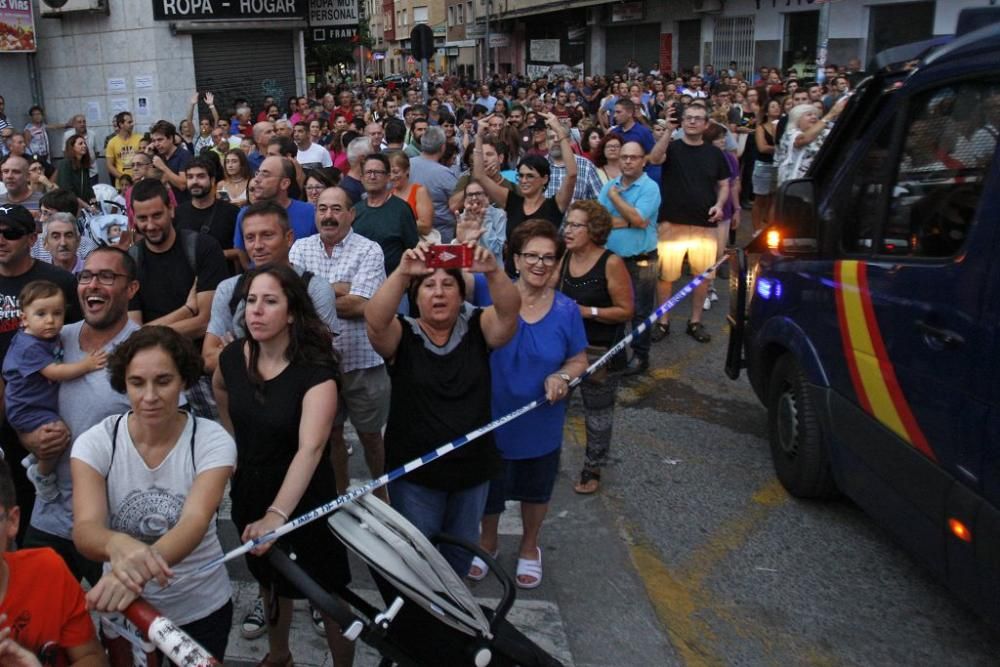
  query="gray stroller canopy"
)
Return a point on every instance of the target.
[{"x": 385, "y": 540}]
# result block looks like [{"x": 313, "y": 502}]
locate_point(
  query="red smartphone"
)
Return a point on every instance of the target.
[{"x": 449, "y": 257}]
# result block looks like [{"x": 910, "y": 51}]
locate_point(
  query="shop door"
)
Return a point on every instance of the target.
[
  {"x": 688, "y": 44},
  {"x": 886, "y": 30},
  {"x": 640, "y": 42},
  {"x": 248, "y": 64},
  {"x": 732, "y": 40},
  {"x": 801, "y": 37}
]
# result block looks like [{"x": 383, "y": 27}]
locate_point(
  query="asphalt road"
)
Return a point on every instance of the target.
[
  {"x": 737, "y": 571},
  {"x": 693, "y": 554}
]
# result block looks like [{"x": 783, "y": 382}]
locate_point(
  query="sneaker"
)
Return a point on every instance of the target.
[
  {"x": 317, "y": 621},
  {"x": 46, "y": 486},
  {"x": 713, "y": 295},
  {"x": 255, "y": 622},
  {"x": 708, "y": 304}
]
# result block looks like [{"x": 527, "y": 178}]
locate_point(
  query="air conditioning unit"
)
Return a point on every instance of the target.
[
  {"x": 57, "y": 8},
  {"x": 705, "y": 6}
]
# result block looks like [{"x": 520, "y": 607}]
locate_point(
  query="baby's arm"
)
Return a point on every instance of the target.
[{"x": 58, "y": 372}]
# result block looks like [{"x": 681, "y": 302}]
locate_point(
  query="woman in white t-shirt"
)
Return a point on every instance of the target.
[{"x": 146, "y": 488}]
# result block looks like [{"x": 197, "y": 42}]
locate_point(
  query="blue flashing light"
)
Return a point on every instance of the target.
[{"x": 768, "y": 287}]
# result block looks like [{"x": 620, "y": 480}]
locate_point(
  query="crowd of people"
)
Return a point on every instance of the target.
[{"x": 273, "y": 280}]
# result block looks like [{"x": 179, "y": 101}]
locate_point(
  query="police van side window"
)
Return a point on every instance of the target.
[
  {"x": 859, "y": 203},
  {"x": 949, "y": 143}
]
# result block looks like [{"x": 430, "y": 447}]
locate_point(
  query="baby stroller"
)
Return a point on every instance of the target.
[
  {"x": 432, "y": 618},
  {"x": 108, "y": 222}
]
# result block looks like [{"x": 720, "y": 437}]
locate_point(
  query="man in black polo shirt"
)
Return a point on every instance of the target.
[{"x": 17, "y": 269}]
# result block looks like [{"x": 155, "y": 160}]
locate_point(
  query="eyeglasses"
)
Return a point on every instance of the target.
[
  {"x": 375, "y": 173},
  {"x": 13, "y": 233},
  {"x": 532, "y": 258},
  {"x": 694, "y": 119},
  {"x": 105, "y": 277},
  {"x": 315, "y": 188},
  {"x": 575, "y": 225}
]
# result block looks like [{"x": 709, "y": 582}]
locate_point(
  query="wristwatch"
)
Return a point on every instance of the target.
[
  {"x": 564, "y": 376},
  {"x": 593, "y": 311}
]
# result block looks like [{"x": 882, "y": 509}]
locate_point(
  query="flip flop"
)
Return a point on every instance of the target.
[
  {"x": 529, "y": 568},
  {"x": 479, "y": 564}
]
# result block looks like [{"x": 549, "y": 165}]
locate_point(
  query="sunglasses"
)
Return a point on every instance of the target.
[{"x": 13, "y": 233}]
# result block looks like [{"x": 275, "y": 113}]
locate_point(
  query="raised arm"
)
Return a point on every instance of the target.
[
  {"x": 565, "y": 194},
  {"x": 499, "y": 321},
  {"x": 496, "y": 192}
]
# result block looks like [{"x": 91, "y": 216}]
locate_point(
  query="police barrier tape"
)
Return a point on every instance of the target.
[{"x": 379, "y": 482}]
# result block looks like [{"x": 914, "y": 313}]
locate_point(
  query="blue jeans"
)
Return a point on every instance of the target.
[
  {"x": 456, "y": 513},
  {"x": 643, "y": 273}
]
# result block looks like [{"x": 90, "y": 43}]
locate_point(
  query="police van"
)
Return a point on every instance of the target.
[{"x": 867, "y": 317}]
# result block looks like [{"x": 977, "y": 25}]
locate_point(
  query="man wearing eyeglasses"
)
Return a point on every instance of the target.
[
  {"x": 633, "y": 200},
  {"x": 17, "y": 269},
  {"x": 382, "y": 217},
  {"x": 694, "y": 188},
  {"x": 271, "y": 183}
]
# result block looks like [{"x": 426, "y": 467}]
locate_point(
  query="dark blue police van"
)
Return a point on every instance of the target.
[{"x": 867, "y": 315}]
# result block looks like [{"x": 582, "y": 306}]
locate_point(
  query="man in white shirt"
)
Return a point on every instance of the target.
[{"x": 310, "y": 155}]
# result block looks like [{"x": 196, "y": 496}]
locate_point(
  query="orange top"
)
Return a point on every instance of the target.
[
  {"x": 44, "y": 602},
  {"x": 411, "y": 197}
]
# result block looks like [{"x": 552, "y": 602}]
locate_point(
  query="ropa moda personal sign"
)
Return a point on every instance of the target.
[{"x": 172, "y": 10}]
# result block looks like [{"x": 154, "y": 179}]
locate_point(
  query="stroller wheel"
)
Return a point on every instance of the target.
[{"x": 482, "y": 657}]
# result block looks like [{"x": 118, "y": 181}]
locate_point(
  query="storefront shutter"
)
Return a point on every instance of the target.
[{"x": 247, "y": 64}]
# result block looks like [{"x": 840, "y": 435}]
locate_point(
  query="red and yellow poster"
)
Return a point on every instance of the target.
[{"x": 17, "y": 26}]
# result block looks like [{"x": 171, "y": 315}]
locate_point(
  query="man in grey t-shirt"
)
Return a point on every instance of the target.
[
  {"x": 268, "y": 239},
  {"x": 437, "y": 178},
  {"x": 106, "y": 284}
]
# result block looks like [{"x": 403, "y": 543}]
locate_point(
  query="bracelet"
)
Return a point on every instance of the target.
[
  {"x": 190, "y": 310},
  {"x": 275, "y": 510}
]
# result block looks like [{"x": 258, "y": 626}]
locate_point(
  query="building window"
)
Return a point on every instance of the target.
[
  {"x": 461, "y": 14},
  {"x": 451, "y": 16},
  {"x": 420, "y": 15}
]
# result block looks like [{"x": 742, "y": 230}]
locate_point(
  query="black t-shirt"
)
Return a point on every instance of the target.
[
  {"x": 688, "y": 184},
  {"x": 438, "y": 394},
  {"x": 10, "y": 304},
  {"x": 549, "y": 210},
  {"x": 218, "y": 220},
  {"x": 166, "y": 278}
]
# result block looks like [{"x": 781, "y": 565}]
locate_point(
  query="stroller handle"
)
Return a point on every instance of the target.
[
  {"x": 506, "y": 583},
  {"x": 321, "y": 600}
]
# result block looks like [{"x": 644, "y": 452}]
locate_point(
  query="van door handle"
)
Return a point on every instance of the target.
[{"x": 947, "y": 337}]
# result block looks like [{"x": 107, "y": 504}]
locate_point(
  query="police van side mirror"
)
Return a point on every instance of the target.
[{"x": 795, "y": 225}]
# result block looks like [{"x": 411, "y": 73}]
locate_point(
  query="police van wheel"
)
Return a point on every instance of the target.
[{"x": 797, "y": 449}]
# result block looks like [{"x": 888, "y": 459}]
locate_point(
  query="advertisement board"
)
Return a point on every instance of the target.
[{"x": 17, "y": 27}]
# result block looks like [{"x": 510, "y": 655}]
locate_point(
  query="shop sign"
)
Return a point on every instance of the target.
[
  {"x": 17, "y": 27},
  {"x": 194, "y": 10},
  {"x": 626, "y": 11},
  {"x": 544, "y": 50},
  {"x": 499, "y": 40},
  {"x": 332, "y": 20}
]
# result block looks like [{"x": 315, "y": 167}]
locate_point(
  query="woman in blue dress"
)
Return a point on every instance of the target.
[{"x": 546, "y": 354}]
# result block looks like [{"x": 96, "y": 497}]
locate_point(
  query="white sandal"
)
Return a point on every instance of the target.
[
  {"x": 529, "y": 568},
  {"x": 479, "y": 564}
]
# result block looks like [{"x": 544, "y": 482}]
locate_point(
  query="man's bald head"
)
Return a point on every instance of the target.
[{"x": 262, "y": 133}]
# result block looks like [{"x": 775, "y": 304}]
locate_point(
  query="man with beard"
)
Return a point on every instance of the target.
[
  {"x": 17, "y": 269},
  {"x": 272, "y": 183},
  {"x": 205, "y": 213},
  {"x": 105, "y": 285},
  {"x": 588, "y": 183}
]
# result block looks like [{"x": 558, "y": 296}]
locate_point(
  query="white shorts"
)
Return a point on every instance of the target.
[{"x": 700, "y": 244}]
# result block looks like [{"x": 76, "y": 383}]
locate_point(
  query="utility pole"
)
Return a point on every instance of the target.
[
  {"x": 486, "y": 45},
  {"x": 823, "y": 41}
]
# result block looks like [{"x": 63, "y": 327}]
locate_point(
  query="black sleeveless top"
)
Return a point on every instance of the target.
[
  {"x": 767, "y": 158},
  {"x": 591, "y": 289},
  {"x": 438, "y": 394}
]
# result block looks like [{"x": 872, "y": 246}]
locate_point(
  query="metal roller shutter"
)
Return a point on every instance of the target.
[
  {"x": 641, "y": 42},
  {"x": 247, "y": 64}
]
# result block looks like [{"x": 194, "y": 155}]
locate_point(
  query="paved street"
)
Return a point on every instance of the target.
[{"x": 693, "y": 554}]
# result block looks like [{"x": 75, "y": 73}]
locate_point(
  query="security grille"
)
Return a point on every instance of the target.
[{"x": 733, "y": 40}]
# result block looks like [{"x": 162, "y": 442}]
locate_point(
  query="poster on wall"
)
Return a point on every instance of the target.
[
  {"x": 545, "y": 50},
  {"x": 17, "y": 27}
]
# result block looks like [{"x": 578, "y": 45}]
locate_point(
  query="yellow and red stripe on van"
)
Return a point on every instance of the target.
[{"x": 871, "y": 370}]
